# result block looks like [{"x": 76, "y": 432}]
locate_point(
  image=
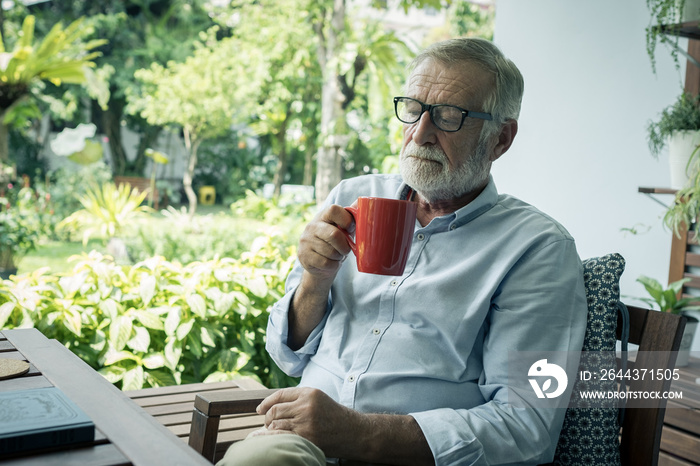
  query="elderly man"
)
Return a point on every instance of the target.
[{"x": 414, "y": 369}]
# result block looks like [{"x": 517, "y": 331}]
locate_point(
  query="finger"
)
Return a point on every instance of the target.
[
  {"x": 265, "y": 431},
  {"x": 278, "y": 412},
  {"x": 338, "y": 216},
  {"x": 322, "y": 248},
  {"x": 257, "y": 432},
  {"x": 338, "y": 239},
  {"x": 282, "y": 415},
  {"x": 334, "y": 223},
  {"x": 320, "y": 266},
  {"x": 282, "y": 425},
  {"x": 328, "y": 241},
  {"x": 280, "y": 396}
]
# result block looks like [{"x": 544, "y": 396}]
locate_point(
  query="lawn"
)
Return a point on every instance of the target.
[
  {"x": 212, "y": 231},
  {"x": 55, "y": 254}
]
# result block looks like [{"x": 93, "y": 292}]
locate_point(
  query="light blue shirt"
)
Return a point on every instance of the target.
[{"x": 496, "y": 276}]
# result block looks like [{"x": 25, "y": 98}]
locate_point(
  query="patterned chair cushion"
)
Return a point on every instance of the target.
[{"x": 590, "y": 434}]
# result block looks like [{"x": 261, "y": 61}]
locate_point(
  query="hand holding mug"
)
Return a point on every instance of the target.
[{"x": 322, "y": 246}]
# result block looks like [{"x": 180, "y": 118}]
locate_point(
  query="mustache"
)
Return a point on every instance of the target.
[{"x": 424, "y": 152}]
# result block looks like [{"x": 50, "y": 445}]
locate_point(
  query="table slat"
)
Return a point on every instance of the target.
[{"x": 99, "y": 455}]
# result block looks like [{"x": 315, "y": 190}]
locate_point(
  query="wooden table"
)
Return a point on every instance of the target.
[
  {"x": 172, "y": 406},
  {"x": 124, "y": 433},
  {"x": 680, "y": 438}
]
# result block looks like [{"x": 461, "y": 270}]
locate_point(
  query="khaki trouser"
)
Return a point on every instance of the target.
[{"x": 278, "y": 450}]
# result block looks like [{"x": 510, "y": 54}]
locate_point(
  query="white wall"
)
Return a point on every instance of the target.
[{"x": 581, "y": 150}]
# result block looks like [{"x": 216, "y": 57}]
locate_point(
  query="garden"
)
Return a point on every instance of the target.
[
  {"x": 187, "y": 300},
  {"x": 118, "y": 116}
]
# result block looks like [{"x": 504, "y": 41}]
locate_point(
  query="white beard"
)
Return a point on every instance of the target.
[{"x": 426, "y": 169}]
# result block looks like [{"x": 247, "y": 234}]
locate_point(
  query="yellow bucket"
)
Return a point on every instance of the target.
[{"x": 207, "y": 195}]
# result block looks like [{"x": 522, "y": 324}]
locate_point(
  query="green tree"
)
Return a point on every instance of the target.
[
  {"x": 60, "y": 57},
  {"x": 279, "y": 30},
  {"x": 375, "y": 132},
  {"x": 342, "y": 62},
  {"x": 295, "y": 34},
  {"x": 203, "y": 96},
  {"x": 139, "y": 32},
  {"x": 471, "y": 19}
]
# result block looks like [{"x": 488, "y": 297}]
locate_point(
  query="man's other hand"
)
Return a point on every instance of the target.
[{"x": 313, "y": 415}]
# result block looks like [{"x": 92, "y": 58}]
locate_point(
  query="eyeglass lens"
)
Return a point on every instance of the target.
[{"x": 445, "y": 117}]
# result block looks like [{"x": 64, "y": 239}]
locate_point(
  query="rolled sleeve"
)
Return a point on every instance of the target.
[
  {"x": 450, "y": 438},
  {"x": 291, "y": 362},
  {"x": 493, "y": 433}
]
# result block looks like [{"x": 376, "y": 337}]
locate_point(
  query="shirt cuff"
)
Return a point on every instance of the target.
[
  {"x": 291, "y": 362},
  {"x": 450, "y": 438}
]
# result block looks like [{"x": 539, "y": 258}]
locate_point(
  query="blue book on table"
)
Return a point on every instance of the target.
[{"x": 41, "y": 418}]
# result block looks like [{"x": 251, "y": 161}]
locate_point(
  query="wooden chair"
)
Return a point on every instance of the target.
[
  {"x": 206, "y": 419},
  {"x": 141, "y": 184},
  {"x": 657, "y": 334}
]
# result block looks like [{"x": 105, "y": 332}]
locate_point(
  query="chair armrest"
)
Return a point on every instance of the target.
[
  {"x": 207, "y": 412},
  {"x": 231, "y": 402}
]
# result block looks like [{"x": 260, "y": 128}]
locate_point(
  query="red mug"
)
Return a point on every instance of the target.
[{"x": 383, "y": 234}]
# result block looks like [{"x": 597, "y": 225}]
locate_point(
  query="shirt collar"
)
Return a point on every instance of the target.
[{"x": 483, "y": 202}]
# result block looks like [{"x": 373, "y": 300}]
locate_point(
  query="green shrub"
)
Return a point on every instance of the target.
[
  {"x": 284, "y": 212},
  {"x": 108, "y": 210},
  {"x": 70, "y": 183},
  {"x": 157, "y": 322},
  {"x": 177, "y": 237},
  {"x": 24, "y": 221}
]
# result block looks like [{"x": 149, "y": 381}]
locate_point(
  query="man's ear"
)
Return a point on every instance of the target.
[{"x": 505, "y": 139}]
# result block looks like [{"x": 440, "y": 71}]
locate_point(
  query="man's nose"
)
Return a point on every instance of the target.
[{"x": 425, "y": 131}]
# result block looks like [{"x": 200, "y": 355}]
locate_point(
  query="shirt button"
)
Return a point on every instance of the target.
[
  {"x": 394, "y": 282},
  {"x": 351, "y": 378},
  {"x": 452, "y": 227},
  {"x": 376, "y": 331},
  {"x": 420, "y": 237}
]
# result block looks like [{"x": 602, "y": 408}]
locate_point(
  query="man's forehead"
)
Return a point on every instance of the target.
[{"x": 459, "y": 83}]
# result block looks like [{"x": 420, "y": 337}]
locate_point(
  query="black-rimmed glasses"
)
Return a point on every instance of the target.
[{"x": 448, "y": 118}]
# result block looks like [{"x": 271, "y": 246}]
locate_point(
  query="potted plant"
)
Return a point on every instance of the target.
[
  {"x": 669, "y": 300},
  {"x": 666, "y": 15},
  {"x": 678, "y": 127},
  {"x": 683, "y": 212}
]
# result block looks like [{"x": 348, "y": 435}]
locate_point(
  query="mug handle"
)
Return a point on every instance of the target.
[{"x": 353, "y": 211}]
